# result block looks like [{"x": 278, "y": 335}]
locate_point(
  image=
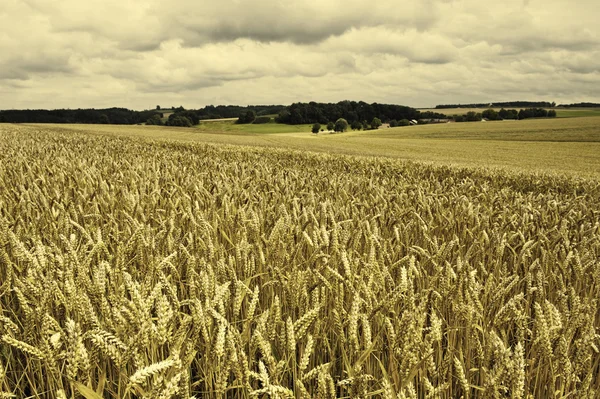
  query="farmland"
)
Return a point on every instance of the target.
[
  {"x": 565, "y": 146},
  {"x": 169, "y": 263}
]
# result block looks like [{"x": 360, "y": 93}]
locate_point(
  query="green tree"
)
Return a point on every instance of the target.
[
  {"x": 356, "y": 125},
  {"x": 403, "y": 122},
  {"x": 330, "y": 126},
  {"x": 341, "y": 125},
  {"x": 154, "y": 120},
  {"x": 552, "y": 114},
  {"x": 283, "y": 117},
  {"x": 473, "y": 116},
  {"x": 247, "y": 117},
  {"x": 316, "y": 127},
  {"x": 181, "y": 121},
  {"x": 491, "y": 115},
  {"x": 375, "y": 123}
]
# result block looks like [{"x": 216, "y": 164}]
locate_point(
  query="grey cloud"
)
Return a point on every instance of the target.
[
  {"x": 302, "y": 22},
  {"x": 191, "y": 52},
  {"x": 22, "y": 67}
]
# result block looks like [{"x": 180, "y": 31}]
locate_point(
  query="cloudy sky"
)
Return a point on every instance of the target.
[{"x": 141, "y": 53}]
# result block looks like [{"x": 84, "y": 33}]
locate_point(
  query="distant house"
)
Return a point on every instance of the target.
[{"x": 414, "y": 122}]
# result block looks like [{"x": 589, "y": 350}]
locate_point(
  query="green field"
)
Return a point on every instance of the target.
[
  {"x": 147, "y": 262},
  {"x": 568, "y": 146},
  {"x": 231, "y": 127},
  {"x": 577, "y": 112}
]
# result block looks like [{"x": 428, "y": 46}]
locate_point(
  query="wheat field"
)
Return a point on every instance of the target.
[{"x": 138, "y": 268}]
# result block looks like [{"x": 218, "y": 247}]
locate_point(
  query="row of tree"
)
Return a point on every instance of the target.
[
  {"x": 516, "y": 104},
  {"x": 520, "y": 104},
  {"x": 580, "y": 105},
  {"x": 357, "y": 113},
  {"x": 181, "y": 118},
  {"x": 234, "y": 111},
  {"x": 352, "y": 111},
  {"x": 341, "y": 125},
  {"x": 116, "y": 116},
  {"x": 493, "y": 115}
]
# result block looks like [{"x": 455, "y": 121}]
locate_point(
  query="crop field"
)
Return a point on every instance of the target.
[
  {"x": 565, "y": 146},
  {"x": 136, "y": 267}
]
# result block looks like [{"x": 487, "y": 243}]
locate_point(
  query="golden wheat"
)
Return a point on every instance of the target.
[{"x": 134, "y": 268}]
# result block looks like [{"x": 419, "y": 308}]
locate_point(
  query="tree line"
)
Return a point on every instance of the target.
[
  {"x": 351, "y": 111},
  {"x": 493, "y": 115},
  {"x": 516, "y": 104},
  {"x": 357, "y": 115},
  {"x": 116, "y": 116},
  {"x": 580, "y": 105},
  {"x": 234, "y": 111}
]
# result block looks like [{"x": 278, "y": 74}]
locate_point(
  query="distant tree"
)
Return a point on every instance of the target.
[
  {"x": 179, "y": 121},
  {"x": 330, "y": 126},
  {"x": 473, "y": 116},
  {"x": 341, "y": 125},
  {"x": 375, "y": 123},
  {"x": 158, "y": 107},
  {"x": 356, "y": 125},
  {"x": 191, "y": 115},
  {"x": 393, "y": 123},
  {"x": 316, "y": 127},
  {"x": 365, "y": 125},
  {"x": 491, "y": 115},
  {"x": 283, "y": 117},
  {"x": 104, "y": 119},
  {"x": 247, "y": 117},
  {"x": 403, "y": 122},
  {"x": 262, "y": 119},
  {"x": 154, "y": 120},
  {"x": 508, "y": 114},
  {"x": 458, "y": 118},
  {"x": 552, "y": 114}
]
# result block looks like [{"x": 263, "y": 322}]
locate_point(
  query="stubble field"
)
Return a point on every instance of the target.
[{"x": 133, "y": 266}]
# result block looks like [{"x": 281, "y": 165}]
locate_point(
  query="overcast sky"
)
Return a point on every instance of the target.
[{"x": 142, "y": 53}]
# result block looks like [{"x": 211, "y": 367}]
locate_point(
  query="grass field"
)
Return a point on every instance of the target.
[
  {"x": 149, "y": 262},
  {"x": 264, "y": 128},
  {"x": 569, "y": 146}
]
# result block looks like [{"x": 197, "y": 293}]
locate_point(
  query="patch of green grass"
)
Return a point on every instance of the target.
[
  {"x": 263, "y": 128},
  {"x": 577, "y": 112}
]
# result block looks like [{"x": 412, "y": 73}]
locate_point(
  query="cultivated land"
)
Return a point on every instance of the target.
[
  {"x": 164, "y": 263},
  {"x": 565, "y": 146}
]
